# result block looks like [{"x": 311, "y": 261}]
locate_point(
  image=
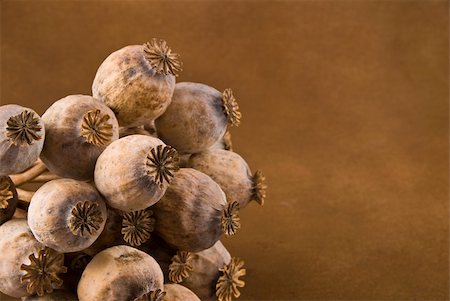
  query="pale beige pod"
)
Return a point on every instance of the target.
[
  {"x": 176, "y": 292},
  {"x": 197, "y": 117},
  {"x": 57, "y": 295},
  {"x": 78, "y": 129},
  {"x": 212, "y": 274},
  {"x": 22, "y": 137},
  {"x": 67, "y": 215},
  {"x": 137, "y": 81},
  {"x": 120, "y": 273},
  {"x": 232, "y": 174},
  {"x": 133, "y": 172},
  {"x": 193, "y": 213},
  {"x": 26, "y": 266}
]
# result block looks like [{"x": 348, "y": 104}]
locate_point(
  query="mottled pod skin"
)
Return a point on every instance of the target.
[
  {"x": 195, "y": 119},
  {"x": 16, "y": 244},
  {"x": 230, "y": 171},
  {"x": 67, "y": 215},
  {"x": 57, "y": 295},
  {"x": 128, "y": 84},
  {"x": 22, "y": 137},
  {"x": 8, "y": 199},
  {"x": 176, "y": 292},
  {"x": 203, "y": 271},
  {"x": 188, "y": 216},
  {"x": 76, "y": 136},
  {"x": 126, "y": 175},
  {"x": 119, "y": 273}
]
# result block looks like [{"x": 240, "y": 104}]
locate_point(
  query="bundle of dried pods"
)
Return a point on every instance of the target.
[{"x": 135, "y": 187}]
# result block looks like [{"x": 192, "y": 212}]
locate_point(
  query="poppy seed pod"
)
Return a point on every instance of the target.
[
  {"x": 176, "y": 292},
  {"x": 21, "y": 138},
  {"x": 77, "y": 127},
  {"x": 8, "y": 199},
  {"x": 197, "y": 117},
  {"x": 67, "y": 215},
  {"x": 212, "y": 274},
  {"x": 233, "y": 175},
  {"x": 193, "y": 213},
  {"x": 133, "y": 172},
  {"x": 137, "y": 81},
  {"x": 120, "y": 273},
  {"x": 26, "y": 266}
]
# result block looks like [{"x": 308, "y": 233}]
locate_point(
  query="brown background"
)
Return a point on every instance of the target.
[{"x": 345, "y": 108}]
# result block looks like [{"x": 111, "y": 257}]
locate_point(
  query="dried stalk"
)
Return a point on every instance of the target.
[{"x": 29, "y": 174}]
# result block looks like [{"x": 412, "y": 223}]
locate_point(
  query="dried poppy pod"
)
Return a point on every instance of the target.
[
  {"x": 57, "y": 295},
  {"x": 67, "y": 215},
  {"x": 137, "y": 81},
  {"x": 193, "y": 213},
  {"x": 26, "y": 266},
  {"x": 233, "y": 175},
  {"x": 77, "y": 127},
  {"x": 8, "y": 199},
  {"x": 176, "y": 292},
  {"x": 224, "y": 143},
  {"x": 211, "y": 274},
  {"x": 21, "y": 138},
  {"x": 120, "y": 273},
  {"x": 133, "y": 172},
  {"x": 197, "y": 117}
]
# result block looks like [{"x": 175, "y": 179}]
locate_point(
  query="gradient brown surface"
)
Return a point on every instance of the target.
[{"x": 345, "y": 109}]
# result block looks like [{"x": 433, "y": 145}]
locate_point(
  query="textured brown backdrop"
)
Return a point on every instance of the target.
[{"x": 345, "y": 108}]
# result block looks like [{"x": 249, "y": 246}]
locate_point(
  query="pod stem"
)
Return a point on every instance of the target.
[
  {"x": 181, "y": 266},
  {"x": 44, "y": 177},
  {"x": 259, "y": 187},
  {"x": 231, "y": 107},
  {"x": 24, "y": 177},
  {"x": 230, "y": 218},
  {"x": 24, "y": 195},
  {"x": 228, "y": 284}
]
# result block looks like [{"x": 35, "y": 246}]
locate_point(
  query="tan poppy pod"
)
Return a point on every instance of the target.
[
  {"x": 8, "y": 199},
  {"x": 120, "y": 273},
  {"x": 232, "y": 174},
  {"x": 22, "y": 137},
  {"x": 57, "y": 295},
  {"x": 197, "y": 117},
  {"x": 78, "y": 129},
  {"x": 176, "y": 292},
  {"x": 26, "y": 266},
  {"x": 193, "y": 213},
  {"x": 224, "y": 143},
  {"x": 212, "y": 274},
  {"x": 137, "y": 81},
  {"x": 133, "y": 172},
  {"x": 67, "y": 215}
]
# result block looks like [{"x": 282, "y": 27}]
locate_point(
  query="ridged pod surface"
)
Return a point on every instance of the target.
[
  {"x": 131, "y": 83},
  {"x": 133, "y": 172},
  {"x": 119, "y": 273},
  {"x": 197, "y": 117},
  {"x": 78, "y": 129},
  {"x": 22, "y": 134},
  {"x": 67, "y": 215}
]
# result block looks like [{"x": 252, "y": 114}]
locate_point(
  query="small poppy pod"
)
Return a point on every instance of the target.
[
  {"x": 193, "y": 213},
  {"x": 8, "y": 199},
  {"x": 57, "y": 295},
  {"x": 120, "y": 273},
  {"x": 22, "y": 137},
  {"x": 133, "y": 172},
  {"x": 137, "y": 81},
  {"x": 176, "y": 292},
  {"x": 197, "y": 117},
  {"x": 26, "y": 266},
  {"x": 67, "y": 215},
  {"x": 212, "y": 274},
  {"x": 78, "y": 127},
  {"x": 233, "y": 175}
]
